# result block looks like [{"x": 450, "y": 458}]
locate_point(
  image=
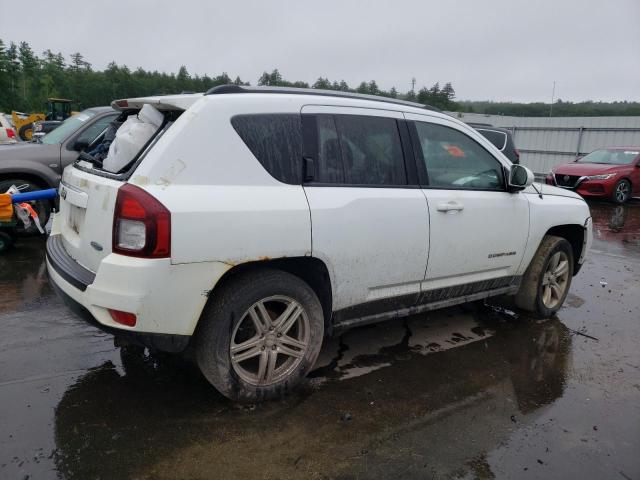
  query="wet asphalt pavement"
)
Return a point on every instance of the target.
[{"x": 458, "y": 393}]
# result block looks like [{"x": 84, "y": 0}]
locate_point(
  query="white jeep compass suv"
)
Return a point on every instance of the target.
[{"x": 258, "y": 220}]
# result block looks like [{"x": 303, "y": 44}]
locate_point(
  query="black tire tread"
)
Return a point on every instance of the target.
[
  {"x": 217, "y": 322},
  {"x": 528, "y": 296}
]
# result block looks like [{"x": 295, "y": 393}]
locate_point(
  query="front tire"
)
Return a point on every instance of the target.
[
  {"x": 259, "y": 335},
  {"x": 621, "y": 192},
  {"x": 546, "y": 282},
  {"x": 26, "y": 132}
]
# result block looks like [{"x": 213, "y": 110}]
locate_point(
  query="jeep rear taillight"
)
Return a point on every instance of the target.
[
  {"x": 10, "y": 133},
  {"x": 141, "y": 224}
]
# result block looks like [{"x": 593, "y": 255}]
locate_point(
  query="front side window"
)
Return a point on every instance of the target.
[
  {"x": 276, "y": 141},
  {"x": 359, "y": 150},
  {"x": 454, "y": 160}
]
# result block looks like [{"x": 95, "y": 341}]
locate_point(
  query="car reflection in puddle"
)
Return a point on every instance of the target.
[
  {"x": 616, "y": 225},
  {"x": 380, "y": 398}
]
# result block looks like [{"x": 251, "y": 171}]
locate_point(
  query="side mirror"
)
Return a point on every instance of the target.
[
  {"x": 520, "y": 177},
  {"x": 80, "y": 145}
]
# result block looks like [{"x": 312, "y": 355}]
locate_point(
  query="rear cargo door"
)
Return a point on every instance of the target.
[{"x": 85, "y": 220}]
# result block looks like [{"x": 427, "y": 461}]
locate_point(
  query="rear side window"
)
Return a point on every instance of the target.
[
  {"x": 358, "y": 150},
  {"x": 499, "y": 139},
  {"x": 276, "y": 141}
]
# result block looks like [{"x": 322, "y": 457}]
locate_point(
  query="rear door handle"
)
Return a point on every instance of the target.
[{"x": 450, "y": 206}]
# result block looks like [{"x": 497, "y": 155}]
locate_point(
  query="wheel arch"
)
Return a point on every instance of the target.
[
  {"x": 631, "y": 184},
  {"x": 30, "y": 176},
  {"x": 311, "y": 270},
  {"x": 575, "y": 235}
]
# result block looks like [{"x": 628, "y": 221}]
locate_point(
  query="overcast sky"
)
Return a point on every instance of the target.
[{"x": 490, "y": 49}]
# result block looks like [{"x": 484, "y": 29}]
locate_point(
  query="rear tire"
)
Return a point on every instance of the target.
[
  {"x": 6, "y": 242},
  {"x": 546, "y": 282},
  {"x": 621, "y": 192},
  {"x": 272, "y": 318},
  {"x": 42, "y": 207}
]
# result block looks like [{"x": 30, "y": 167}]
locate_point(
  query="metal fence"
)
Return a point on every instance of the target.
[{"x": 546, "y": 142}]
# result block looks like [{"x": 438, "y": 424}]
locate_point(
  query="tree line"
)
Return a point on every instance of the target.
[
  {"x": 558, "y": 109},
  {"x": 28, "y": 79}
]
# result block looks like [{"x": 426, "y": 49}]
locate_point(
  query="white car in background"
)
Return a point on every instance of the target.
[
  {"x": 258, "y": 220},
  {"x": 7, "y": 132}
]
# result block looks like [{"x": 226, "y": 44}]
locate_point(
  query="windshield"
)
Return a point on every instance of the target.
[
  {"x": 611, "y": 157},
  {"x": 68, "y": 127}
]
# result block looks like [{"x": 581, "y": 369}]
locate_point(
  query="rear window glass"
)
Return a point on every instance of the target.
[
  {"x": 276, "y": 141},
  {"x": 499, "y": 139},
  {"x": 359, "y": 150},
  {"x": 371, "y": 150}
]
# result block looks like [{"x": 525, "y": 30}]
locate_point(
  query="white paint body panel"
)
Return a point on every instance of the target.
[
  {"x": 86, "y": 215},
  {"x": 226, "y": 209},
  {"x": 375, "y": 241},
  {"x": 552, "y": 210},
  {"x": 462, "y": 241},
  {"x": 468, "y": 239}
]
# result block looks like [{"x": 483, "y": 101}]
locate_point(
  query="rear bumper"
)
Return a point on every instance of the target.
[
  {"x": 67, "y": 267},
  {"x": 166, "y": 299},
  {"x": 156, "y": 341}
]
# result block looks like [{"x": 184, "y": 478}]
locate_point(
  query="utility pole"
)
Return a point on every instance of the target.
[
  {"x": 553, "y": 94},
  {"x": 413, "y": 85}
]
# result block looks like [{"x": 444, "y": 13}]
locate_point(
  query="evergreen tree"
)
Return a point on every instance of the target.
[
  {"x": 363, "y": 88},
  {"x": 322, "y": 83},
  {"x": 26, "y": 80}
]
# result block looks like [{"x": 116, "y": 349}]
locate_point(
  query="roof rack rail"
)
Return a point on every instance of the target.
[{"x": 224, "y": 89}]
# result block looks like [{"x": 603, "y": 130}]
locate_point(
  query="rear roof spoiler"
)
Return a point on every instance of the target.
[{"x": 161, "y": 102}]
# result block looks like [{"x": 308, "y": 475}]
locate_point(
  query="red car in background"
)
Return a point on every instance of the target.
[{"x": 612, "y": 173}]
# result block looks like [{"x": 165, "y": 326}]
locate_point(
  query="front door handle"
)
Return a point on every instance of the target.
[{"x": 451, "y": 206}]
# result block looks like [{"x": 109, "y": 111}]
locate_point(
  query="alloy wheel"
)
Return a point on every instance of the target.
[
  {"x": 555, "y": 280},
  {"x": 270, "y": 341},
  {"x": 622, "y": 192}
]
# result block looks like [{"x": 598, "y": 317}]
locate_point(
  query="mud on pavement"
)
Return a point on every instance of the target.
[{"x": 459, "y": 393}]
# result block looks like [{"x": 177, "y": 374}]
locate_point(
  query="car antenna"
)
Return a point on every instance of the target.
[{"x": 538, "y": 191}]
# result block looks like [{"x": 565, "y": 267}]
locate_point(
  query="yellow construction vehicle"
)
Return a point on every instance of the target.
[{"x": 57, "y": 109}]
